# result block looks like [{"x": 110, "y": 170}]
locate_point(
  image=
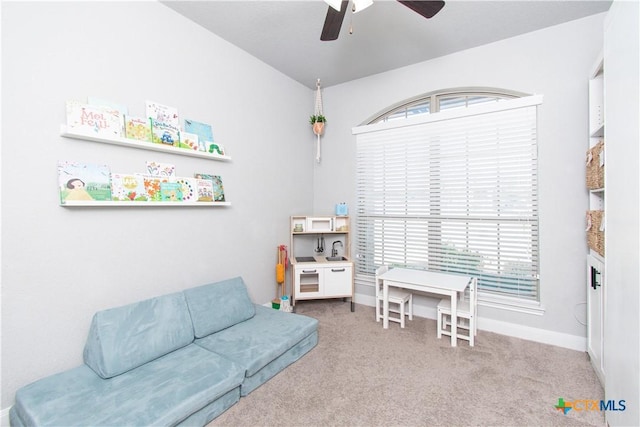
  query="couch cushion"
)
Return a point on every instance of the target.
[
  {"x": 217, "y": 306},
  {"x": 126, "y": 337},
  {"x": 277, "y": 365},
  {"x": 163, "y": 392},
  {"x": 257, "y": 341}
]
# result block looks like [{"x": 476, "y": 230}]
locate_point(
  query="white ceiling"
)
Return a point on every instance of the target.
[{"x": 387, "y": 35}]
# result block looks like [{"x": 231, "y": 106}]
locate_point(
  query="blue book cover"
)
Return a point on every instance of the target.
[{"x": 203, "y": 130}]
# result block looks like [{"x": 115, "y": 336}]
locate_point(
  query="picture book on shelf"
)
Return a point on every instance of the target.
[
  {"x": 137, "y": 128},
  {"x": 214, "y": 148},
  {"x": 203, "y": 130},
  {"x": 218, "y": 189},
  {"x": 189, "y": 188},
  {"x": 205, "y": 190},
  {"x": 160, "y": 169},
  {"x": 94, "y": 120},
  {"x": 188, "y": 141},
  {"x": 83, "y": 181},
  {"x": 152, "y": 187},
  {"x": 163, "y": 114},
  {"x": 128, "y": 187},
  {"x": 171, "y": 192},
  {"x": 164, "y": 133},
  {"x": 110, "y": 106}
]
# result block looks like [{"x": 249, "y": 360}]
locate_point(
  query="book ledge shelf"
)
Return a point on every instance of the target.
[
  {"x": 71, "y": 204},
  {"x": 143, "y": 145}
]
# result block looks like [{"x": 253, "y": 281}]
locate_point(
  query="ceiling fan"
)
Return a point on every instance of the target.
[{"x": 338, "y": 8}]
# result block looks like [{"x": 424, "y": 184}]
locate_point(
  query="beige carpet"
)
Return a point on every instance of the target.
[{"x": 362, "y": 375}]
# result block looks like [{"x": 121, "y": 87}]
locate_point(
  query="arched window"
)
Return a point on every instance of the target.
[
  {"x": 442, "y": 100},
  {"x": 453, "y": 190}
]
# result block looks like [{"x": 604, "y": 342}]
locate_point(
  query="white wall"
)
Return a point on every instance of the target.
[
  {"x": 60, "y": 265},
  {"x": 621, "y": 352},
  {"x": 554, "y": 62}
]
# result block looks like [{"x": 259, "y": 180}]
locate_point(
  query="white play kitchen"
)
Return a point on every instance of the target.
[{"x": 321, "y": 258}]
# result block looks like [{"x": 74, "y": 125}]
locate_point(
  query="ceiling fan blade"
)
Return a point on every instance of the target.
[
  {"x": 333, "y": 22},
  {"x": 428, "y": 9}
]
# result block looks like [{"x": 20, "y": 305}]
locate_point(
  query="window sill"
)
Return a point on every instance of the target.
[{"x": 511, "y": 304}]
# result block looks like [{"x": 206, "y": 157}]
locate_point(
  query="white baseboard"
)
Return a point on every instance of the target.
[
  {"x": 4, "y": 417},
  {"x": 543, "y": 336}
]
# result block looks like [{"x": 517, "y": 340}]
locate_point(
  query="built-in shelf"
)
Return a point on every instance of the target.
[
  {"x": 596, "y": 276},
  {"x": 143, "y": 145},
  {"x": 122, "y": 204},
  {"x": 598, "y": 132},
  {"x": 596, "y": 255}
]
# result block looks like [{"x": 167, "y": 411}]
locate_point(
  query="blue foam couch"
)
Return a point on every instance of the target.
[{"x": 177, "y": 359}]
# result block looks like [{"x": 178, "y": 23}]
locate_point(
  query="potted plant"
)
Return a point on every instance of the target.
[{"x": 318, "y": 121}]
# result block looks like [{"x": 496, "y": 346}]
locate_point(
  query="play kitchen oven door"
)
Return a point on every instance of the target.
[{"x": 308, "y": 282}]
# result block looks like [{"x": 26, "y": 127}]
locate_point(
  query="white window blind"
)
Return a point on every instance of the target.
[{"x": 456, "y": 192}]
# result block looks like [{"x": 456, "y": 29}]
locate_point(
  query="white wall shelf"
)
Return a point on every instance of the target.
[
  {"x": 143, "y": 145},
  {"x": 122, "y": 204}
]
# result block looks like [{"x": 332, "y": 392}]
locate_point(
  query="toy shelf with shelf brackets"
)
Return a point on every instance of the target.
[{"x": 143, "y": 145}]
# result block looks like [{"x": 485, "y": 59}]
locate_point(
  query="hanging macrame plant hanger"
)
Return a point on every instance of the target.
[{"x": 318, "y": 126}]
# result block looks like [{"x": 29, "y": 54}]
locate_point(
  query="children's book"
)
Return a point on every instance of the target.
[
  {"x": 94, "y": 120},
  {"x": 160, "y": 169},
  {"x": 203, "y": 130},
  {"x": 83, "y": 181},
  {"x": 152, "y": 187},
  {"x": 214, "y": 148},
  {"x": 218, "y": 189},
  {"x": 111, "y": 106},
  {"x": 164, "y": 133},
  {"x": 171, "y": 192},
  {"x": 188, "y": 141},
  {"x": 137, "y": 128},
  {"x": 163, "y": 114},
  {"x": 205, "y": 190},
  {"x": 128, "y": 187},
  {"x": 189, "y": 188}
]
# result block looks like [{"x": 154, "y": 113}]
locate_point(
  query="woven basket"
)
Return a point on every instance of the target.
[
  {"x": 595, "y": 172},
  {"x": 595, "y": 236}
]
